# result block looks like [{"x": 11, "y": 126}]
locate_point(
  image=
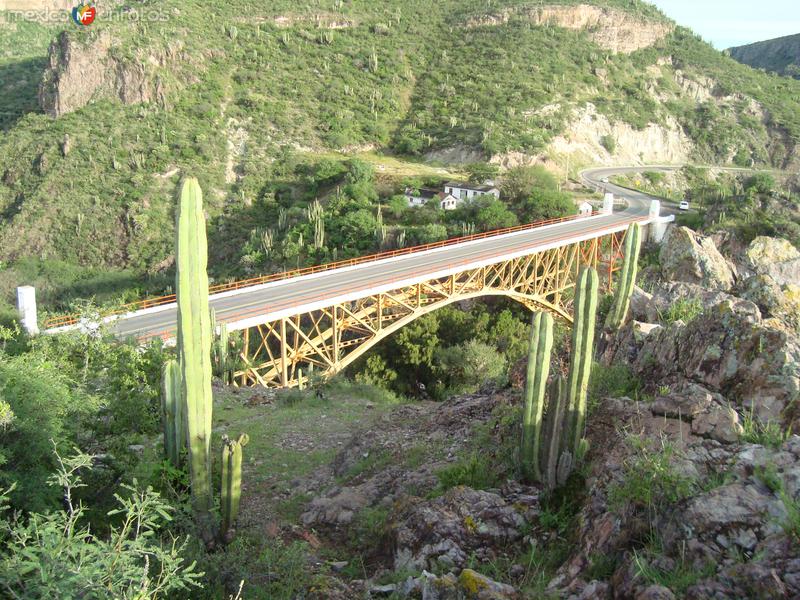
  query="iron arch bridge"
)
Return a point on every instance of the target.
[{"x": 325, "y": 317}]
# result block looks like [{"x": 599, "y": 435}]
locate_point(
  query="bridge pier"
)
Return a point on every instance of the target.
[
  {"x": 658, "y": 224},
  {"x": 26, "y": 304},
  {"x": 608, "y": 203}
]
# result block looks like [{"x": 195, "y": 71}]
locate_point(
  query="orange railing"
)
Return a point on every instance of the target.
[{"x": 65, "y": 320}]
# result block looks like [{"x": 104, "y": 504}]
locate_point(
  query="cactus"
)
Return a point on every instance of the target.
[
  {"x": 231, "y": 488},
  {"x": 539, "y": 350},
  {"x": 585, "y": 315},
  {"x": 319, "y": 232},
  {"x": 552, "y": 433},
  {"x": 222, "y": 352},
  {"x": 300, "y": 383},
  {"x": 194, "y": 344},
  {"x": 172, "y": 411},
  {"x": 627, "y": 279}
]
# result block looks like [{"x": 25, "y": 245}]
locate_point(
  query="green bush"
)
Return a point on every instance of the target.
[
  {"x": 475, "y": 472},
  {"x": 56, "y": 555},
  {"x": 48, "y": 408},
  {"x": 466, "y": 367}
]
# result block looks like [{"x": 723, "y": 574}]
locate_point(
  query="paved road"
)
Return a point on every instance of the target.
[{"x": 271, "y": 300}]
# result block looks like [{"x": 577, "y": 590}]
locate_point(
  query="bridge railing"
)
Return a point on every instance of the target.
[{"x": 65, "y": 320}]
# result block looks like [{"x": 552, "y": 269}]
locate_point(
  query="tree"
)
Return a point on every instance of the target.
[
  {"x": 480, "y": 172},
  {"x": 466, "y": 367},
  {"x": 761, "y": 183},
  {"x": 544, "y": 204},
  {"x": 520, "y": 182}
]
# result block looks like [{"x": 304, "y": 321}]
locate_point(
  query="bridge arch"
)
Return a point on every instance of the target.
[{"x": 281, "y": 352}]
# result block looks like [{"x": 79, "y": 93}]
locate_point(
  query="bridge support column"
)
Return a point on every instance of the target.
[
  {"x": 608, "y": 203},
  {"x": 658, "y": 224},
  {"x": 26, "y": 304}
]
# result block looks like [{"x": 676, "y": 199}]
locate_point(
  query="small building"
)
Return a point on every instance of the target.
[
  {"x": 585, "y": 209},
  {"x": 419, "y": 197},
  {"x": 447, "y": 201},
  {"x": 467, "y": 191}
]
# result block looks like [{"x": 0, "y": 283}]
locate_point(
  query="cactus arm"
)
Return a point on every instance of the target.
[
  {"x": 541, "y": 345},
  {"x": 194, "y": 340},
  {"x": 585, "y": 315},
  {"x": 627, "y": 279},
  {"x": 553, "y": 430},
  {"x": 172, "y": 409},
  {"x": 231, "y": 482}
]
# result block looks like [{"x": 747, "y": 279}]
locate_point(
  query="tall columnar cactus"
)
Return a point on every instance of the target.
[
  {"x": 223, "y": 353},
  {"x": 231, "y": 482},
  {"x": 627, "y": 279},
  {"x": 551, "y": 454},
  {"x": 194, "y": 344},
  {"x": 580, "y": 368},
  {"x": 172, "y": 409},
  {"x": 539, "y": 350}
]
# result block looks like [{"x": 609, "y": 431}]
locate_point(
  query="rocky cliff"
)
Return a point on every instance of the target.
[
  {"x": 609, "y": 28},
  {"x": 81, "y": 71}
]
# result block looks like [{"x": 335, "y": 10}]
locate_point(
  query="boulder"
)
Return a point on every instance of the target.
[
  {"x": 709, "y": 414},
  {"x": 730, "y": 351},
  {"x": 693, "y": 258},
  {"x": 774, "y": 300},
  {"x": 447, "y": 531},
  {"x": 775, "y": 257}
]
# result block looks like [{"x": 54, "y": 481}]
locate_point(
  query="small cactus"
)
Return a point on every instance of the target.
[
  {"x": 539, "y": 350},
  {"x": 552, "y": 432},
  {"x": 231, "y": 488},
  {"x": 172, "y": 411},
  {"x": 627, "y": 279}
]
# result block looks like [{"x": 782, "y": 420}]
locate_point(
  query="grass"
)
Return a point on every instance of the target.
[
  {"x": 650, "y": 478},
  {"x": 755, "y": 431},
  {"x": 476, "y": 472},
  {"x": 678, "y": 580},
  {"x": 683, "y": 309}
]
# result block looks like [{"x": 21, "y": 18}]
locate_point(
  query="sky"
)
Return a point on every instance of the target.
[{"x": 727, "y": 23}]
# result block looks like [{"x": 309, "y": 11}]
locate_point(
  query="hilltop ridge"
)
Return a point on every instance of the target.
[{"x": 780, "y": 55}]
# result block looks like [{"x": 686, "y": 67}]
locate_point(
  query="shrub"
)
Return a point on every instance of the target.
[
  {"x": 46, "y": 406},
  {"x": 466, "y": 367},
  {"x": 609, "y": 143},
  {"x": 55, "y": 555},
  {"x": 683, "y": 309}
]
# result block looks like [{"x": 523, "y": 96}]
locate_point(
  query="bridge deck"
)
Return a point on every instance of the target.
[{"x": 247, "y": 307}]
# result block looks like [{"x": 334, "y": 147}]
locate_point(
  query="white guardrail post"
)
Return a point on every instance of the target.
[{"x": 26, "y": 304}]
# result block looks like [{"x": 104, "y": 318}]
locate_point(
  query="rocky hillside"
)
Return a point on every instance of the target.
[
  {"x": 692, "y": 487},
  {"x": 98, "y": 124},
  {"x": 781, "y": 55}
]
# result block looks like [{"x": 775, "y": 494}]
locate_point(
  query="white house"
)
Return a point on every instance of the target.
[
  {"x": 585, "y": 209},
  {"x": 467, "y": 191},
  {"x": 419, "y": 197},
  {"x": 447, "y": 201}
]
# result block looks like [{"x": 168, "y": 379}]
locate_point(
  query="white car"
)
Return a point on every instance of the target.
[
  {"x": 604, "y": 180},
  {"x": 684, "y": 205}
]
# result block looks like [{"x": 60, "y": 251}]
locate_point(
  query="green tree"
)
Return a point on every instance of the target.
[
  {"x": 480, "y": 172},
  {"x": 466, "y": 367},
  {"x": 520, "y": 182},
  {"x": 47, "y": 405}
]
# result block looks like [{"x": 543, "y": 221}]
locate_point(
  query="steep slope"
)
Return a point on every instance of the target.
[
  {"x": 99, "y": 123},
  {"x": 780, "y": 55}
]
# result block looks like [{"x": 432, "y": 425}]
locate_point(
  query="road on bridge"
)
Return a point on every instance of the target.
[{"x": 265, "y": 302}]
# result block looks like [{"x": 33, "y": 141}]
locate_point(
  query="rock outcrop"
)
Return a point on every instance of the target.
[
  {"x": 694, "y": 258},
  {"x": 774, "y": 257},
  {"x": 609, "y": 28},
  {"x": 447, "y": 531},
  {"x": 82, "y": 71}
]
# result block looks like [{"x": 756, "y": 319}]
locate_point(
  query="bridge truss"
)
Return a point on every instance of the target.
[{"x": 282, "y": 352}]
